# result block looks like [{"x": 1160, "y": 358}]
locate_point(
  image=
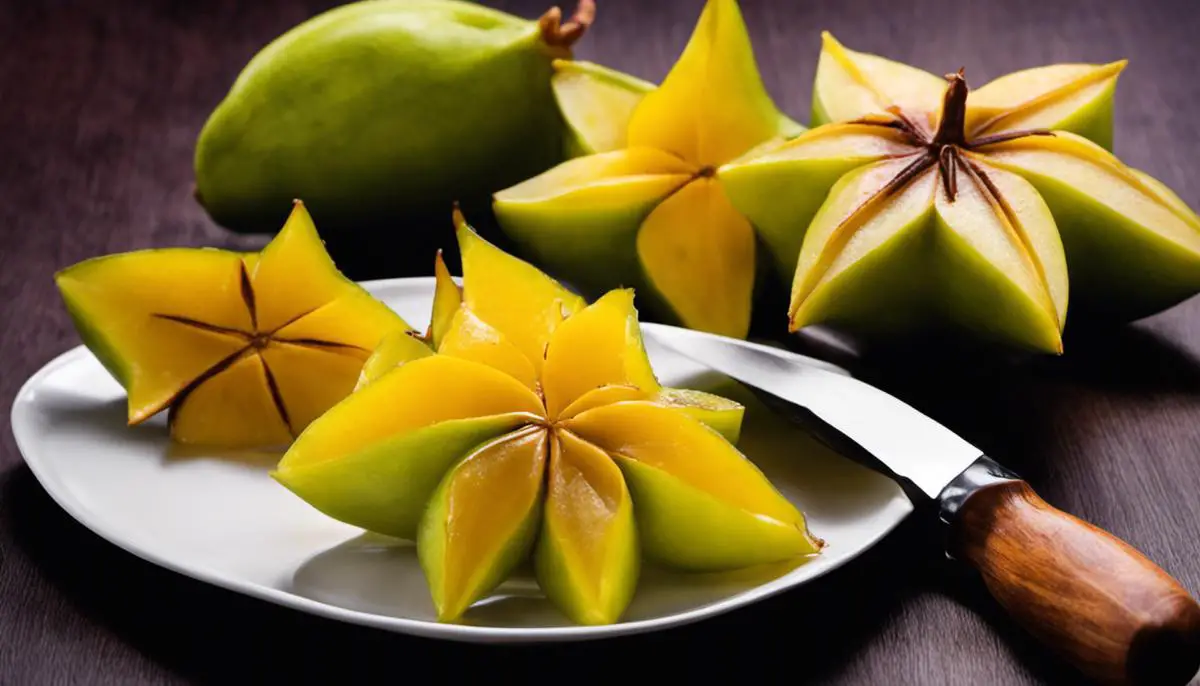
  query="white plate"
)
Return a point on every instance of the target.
[{"x": 221, "y": 519}]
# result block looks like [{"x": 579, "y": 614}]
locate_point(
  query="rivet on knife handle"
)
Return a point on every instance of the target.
[{"x": 1083, "y": 592}]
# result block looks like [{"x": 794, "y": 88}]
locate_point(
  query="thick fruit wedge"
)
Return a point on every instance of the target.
[
  {"x": 483, "y": 520},
  {"x": 596, "y": 103},
  {"x": 649, "y": 209},
  {"x": 921, "y": 206},
  {"x": 244, "y": 350},
  {"x": 700, "y": 504},
  {"x": 538, "y": 428}
]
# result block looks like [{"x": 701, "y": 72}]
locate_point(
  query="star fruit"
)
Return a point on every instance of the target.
[
  {"x": 652, "y": 213},
  {"x": 242, "y": 350},
  {"x": 922, "y": 204},
  {"x": 538, "y": 429}
]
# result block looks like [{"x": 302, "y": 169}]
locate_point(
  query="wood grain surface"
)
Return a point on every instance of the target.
[{"x": 100, "y": 104}]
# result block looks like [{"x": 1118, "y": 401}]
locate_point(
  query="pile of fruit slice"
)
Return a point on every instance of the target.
[
  {"x": 920, "y": 206},
  {"x": 534, "y": 425},
  {"x": 243, "y": 350}
]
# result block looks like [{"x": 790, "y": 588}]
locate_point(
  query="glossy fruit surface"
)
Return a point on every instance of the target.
[
  {"x": 538, "y": 429},
  {"x": 244, "y": 350},
  {"x": 649, "y": 210},
  {"x": 924, "y": 206},
  {"x": 383, "y": 111}
]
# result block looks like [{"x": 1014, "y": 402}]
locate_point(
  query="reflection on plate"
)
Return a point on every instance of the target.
[{"x": 220, "y": 518}]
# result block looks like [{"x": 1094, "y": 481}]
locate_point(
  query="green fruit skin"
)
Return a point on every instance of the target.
[
  {"x": 557, "y": 578},
  {"x": 780, "y": 199},
  {"x": 431, "y": 548},
  {"x": 381, "y": 109},
  {"x": 1120, "y": 270},
  {"x": 682, "y": 527},
  {"x": 386, "y": 487},
  {"x": 927, "y": 277}
]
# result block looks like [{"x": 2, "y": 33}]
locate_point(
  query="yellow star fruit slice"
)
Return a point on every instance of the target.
[
  {"x": 377, "y": 468},
  {"x": 712, "y": 106},
  {"x": 167, "y": 323},
  {"x": 511, "y": 295},
  {"x": 699, "y": 503},
  {"x": 587, "y": 211},
  {"x": 596, "y": 104},
  {"x": 447, "y": 297},
  {"x": 698, "y": 253},
  {"x": 598, "y": 346},
  {"x": 587, "y": 555},
  {"x": 111, "y": 299},
  {"x": 482, "y": 520},
  {"x": 214, "y": 412},
  {"x": 471, "y": 338},
  {"x": 597, "y": 358},
  {"x": 393, "y": 351}
]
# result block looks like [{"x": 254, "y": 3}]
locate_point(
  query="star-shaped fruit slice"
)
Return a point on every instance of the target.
[
  {"x": 538, "y": 429},
  {"x": 926, "y": 205},
  {"x": 242, "y": 350},
  {"x": 650, "y": 210}
]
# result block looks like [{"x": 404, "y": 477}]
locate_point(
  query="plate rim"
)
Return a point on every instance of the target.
[{"x": 49, "y": 481}]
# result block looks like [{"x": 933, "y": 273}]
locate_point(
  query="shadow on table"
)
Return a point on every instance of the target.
[
  {"x": 813, "y": 633},
  {"x": 205, "y": 633}
]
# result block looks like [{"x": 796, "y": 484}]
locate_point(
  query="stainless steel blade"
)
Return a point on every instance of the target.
[{"x": 907, "y": 442}]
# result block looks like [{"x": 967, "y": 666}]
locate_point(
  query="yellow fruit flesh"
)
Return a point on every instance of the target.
[
  {"x": 167, "y": 322},
  {"x": 447, "y": 297},
  {"x": 634, "y": 207},
  {"x": 598, "y": 346},
  {"x": 712, "y": 106},
  {"x": 308, "y": 380},
  {"x": 605, "y": 395},
  {"x": 672, "y": 442},
  {"x": 394, "y": 350},
  {"x": 698, "y": 252},
  {"x": 490, "y": 496},
  {"x": 112, "y": 299},
  {"x": 587, "y": 558},
  {"x": 470, "y": 338},
  {"x": 620, "y": 176},
  {"x": 512, "y": 295},
  {"x": 233, "y": 408},
  {"x": 421, "y": 393}
]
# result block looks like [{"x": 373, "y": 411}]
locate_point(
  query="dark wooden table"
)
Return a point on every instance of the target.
[{"x": 100, "y": 104}]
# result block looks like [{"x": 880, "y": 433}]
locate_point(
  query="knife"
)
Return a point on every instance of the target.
[{"x": 1085, "y": 594}]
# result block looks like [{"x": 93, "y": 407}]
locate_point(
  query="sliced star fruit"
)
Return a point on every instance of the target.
[
  {"x": 648, "y": 210},
  {"x": 241, "y": 350},
  {"x": 539, "y": 430},
  {"x": 922, "y": 209}
]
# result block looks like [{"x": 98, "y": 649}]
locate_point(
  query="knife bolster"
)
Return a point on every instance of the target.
[{"x": 982, "y": 473}]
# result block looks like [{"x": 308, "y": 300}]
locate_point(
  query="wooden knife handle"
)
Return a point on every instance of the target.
[{"x": 1081, "y": 591}]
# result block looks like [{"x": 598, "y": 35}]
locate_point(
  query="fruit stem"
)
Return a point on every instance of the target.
[
  {"x": 559, "y": 34},
  {"x": 951, "y": 130}
]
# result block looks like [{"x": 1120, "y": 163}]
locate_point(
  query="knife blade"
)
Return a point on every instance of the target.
[{"x": 1090, "y": 597}]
